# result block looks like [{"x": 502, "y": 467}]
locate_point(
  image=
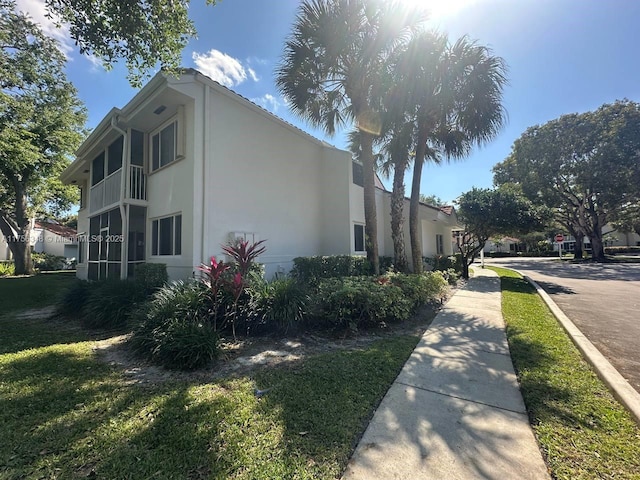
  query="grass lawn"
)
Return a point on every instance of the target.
[
  {"x": 65, "y": 414},
  {"x": 583, "y": 431},
  {"x": 33, "y": 292}
]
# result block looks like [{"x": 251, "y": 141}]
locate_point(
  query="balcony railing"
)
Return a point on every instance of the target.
[
  {"x": 137, "y": 183},
  {"x": 107, "y": 192}
]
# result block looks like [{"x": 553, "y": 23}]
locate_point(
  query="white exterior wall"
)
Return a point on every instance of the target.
[
  {"x": 432, "y": 222},
  {"x": 170, "y": 192},
  {"x": 83, "y": 232},
  {"x": 273, "y": 181},
  {"x": 5, "y": 253}
]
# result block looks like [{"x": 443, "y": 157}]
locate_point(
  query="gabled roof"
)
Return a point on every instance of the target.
[
  {"x": 58, "y": 229},
  {"x": 448, "y": 209}
]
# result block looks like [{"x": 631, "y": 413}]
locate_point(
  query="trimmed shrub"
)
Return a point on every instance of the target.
[
  {"x": 7, "y": 269},
  {"x": 110, "y": 303},
  {"x": 151, "y": 276},
  {"x": 355, "y": 302},
  {"x": 442, "y": 263},
  {"x": 174, "y": 328},
  {"x": 311, "y": 270},
  {"x": 74, "y": 298},
  {"x": 281, "y": 303},
  {"x": 45, "y": 262},
  {"x": 420, "y": 288}
]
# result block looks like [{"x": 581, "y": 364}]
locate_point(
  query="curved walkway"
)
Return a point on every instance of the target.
[{"x": 455, "y": 410}]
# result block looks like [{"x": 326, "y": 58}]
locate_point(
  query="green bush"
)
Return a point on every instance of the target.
[
  {"x": 110, "y": 303},
  {"x": 355, "y": 302},
  {"x": 443, "y": 263},
  {"x": 174, "y": 328},
  {"x": 45, "y": 262},
  {"x": 7, "y": 269},
  {"x": 311, "y": 270},
  {"x": 420, "y": 288},
  {"x": 151, "y": 276},
  {"x": 281, "y": 303},
  {"x": 74, "y": 298}
]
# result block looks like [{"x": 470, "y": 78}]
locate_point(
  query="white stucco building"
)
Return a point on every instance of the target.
[{"x": 188, "y": 165}]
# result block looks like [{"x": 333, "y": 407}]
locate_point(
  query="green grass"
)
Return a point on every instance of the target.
[
  {"x": 583, "y": 431},
  {"x": 64, "y": 414},
  {"x": 39, "y": 290}
]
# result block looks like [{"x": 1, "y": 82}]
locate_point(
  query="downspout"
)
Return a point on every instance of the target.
[
  {"x": 205, "y": 169},
  {"x": 124, "y": 212}
]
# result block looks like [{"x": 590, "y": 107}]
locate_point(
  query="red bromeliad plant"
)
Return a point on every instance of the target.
[
  {"x": 244, "y": 254},
  {"x": 219, "y": 277},
  {"x": 214, "y": 279}
]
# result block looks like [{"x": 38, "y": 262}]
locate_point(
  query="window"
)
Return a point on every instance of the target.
[
  {"x": 166, "y": 236},
  {"x": 82, "y": 200},
  {"x": 358, "y": 235},
  {"x": 439, "y": 244},
  {"x": 358, "y": 174},
  {"x": 163, "y": 146}
]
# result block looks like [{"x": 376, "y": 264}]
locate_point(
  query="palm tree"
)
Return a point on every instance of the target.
[
  {"x": 455, "y": 95},
  {"x": 331, "y": 74}
]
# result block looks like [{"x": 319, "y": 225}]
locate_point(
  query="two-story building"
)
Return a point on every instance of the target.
[{"x": 188, "y": 165}]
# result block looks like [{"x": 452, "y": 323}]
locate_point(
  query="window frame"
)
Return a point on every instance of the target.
[
  {"x": 355, "y": 166},
  {"x": 357, "y": 226},
  {"x": 175, "y": 122},
  {"x": 175, "y": 235},
  {"x": 439, "y": 244}
]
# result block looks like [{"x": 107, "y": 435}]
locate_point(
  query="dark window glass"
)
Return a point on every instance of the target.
[
  {"x": 154, "y": 237},
  {"x": 113, "y": 270},
  {"x": 178, "y": 235},
  {"x": 358, "y": 174},
  {"x": 358, "y": 233},
  {"x": 155, "y": 150},
  {"x": 93, "y": 271},
  {"x": 82, "y": 205},
  {"x": 166, "y": 236},
  {"x": 137, "y": 148},
  {"x": 94, "y": 231},
  {"x": 114, "y": 155},
  {"x": 97, "y": 169},
  {"x": 167, "y": 145},
  {"x": 80, "y": 258}
]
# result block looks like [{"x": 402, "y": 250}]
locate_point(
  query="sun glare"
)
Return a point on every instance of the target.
[{"x": 441, "y": 8}]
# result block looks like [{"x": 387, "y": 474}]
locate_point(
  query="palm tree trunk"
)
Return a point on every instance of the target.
[
  {"x": 371, "y": 224},
  {"x": 397, "y": 217},
  {"x": 415, "y": 232}
]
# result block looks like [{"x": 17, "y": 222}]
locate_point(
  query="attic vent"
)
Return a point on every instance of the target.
[{"x": 160, "y": 109}]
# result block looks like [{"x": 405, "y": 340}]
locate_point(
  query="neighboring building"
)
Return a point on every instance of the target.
[
  {"x": 188, "y": 165},
  {"x": 55, "y": 239},
  {"x": 5, "y": 251},
  {"x": 503, "y": 245},
  {"x": 47, "y": 236}
]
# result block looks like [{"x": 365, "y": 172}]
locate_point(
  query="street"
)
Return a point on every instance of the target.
[{"x": 602, "y": 300}]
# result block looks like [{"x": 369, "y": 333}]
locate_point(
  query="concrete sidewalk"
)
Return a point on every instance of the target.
[{"x": 455, "y": 410}]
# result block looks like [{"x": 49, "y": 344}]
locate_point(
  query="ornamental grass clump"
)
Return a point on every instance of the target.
[{"x": 174, "y": 328}]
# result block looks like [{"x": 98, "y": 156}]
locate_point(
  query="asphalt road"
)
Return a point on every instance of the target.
[{"x": 602, "y": 300}]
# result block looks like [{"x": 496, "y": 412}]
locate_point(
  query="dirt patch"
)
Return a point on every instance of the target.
[{"x": 247, "y": 354}]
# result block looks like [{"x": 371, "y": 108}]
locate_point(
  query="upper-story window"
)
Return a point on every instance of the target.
[
  {"x": 358, "y": 174},
  {"x": 164, "y": 144}
]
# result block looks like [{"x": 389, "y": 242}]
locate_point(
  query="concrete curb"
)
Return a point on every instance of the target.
[{"x": 620, "y": 388}]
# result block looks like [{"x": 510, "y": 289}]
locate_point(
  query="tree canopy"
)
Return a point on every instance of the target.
[
  {"x": 41, "y": 125},
  {"x": 488, "y": 212},
  {"x": 143, "y": 33},
  {"x": 584, "y": 166}
]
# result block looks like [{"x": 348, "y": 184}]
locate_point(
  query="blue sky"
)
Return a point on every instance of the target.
[{"x": 564, "y": 56}]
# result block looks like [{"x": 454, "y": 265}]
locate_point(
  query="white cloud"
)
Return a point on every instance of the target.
[
  {"x": 223, "y": 68},
  {"x": 269, "y": 102},
  {"x": 37, "y": 10}
]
